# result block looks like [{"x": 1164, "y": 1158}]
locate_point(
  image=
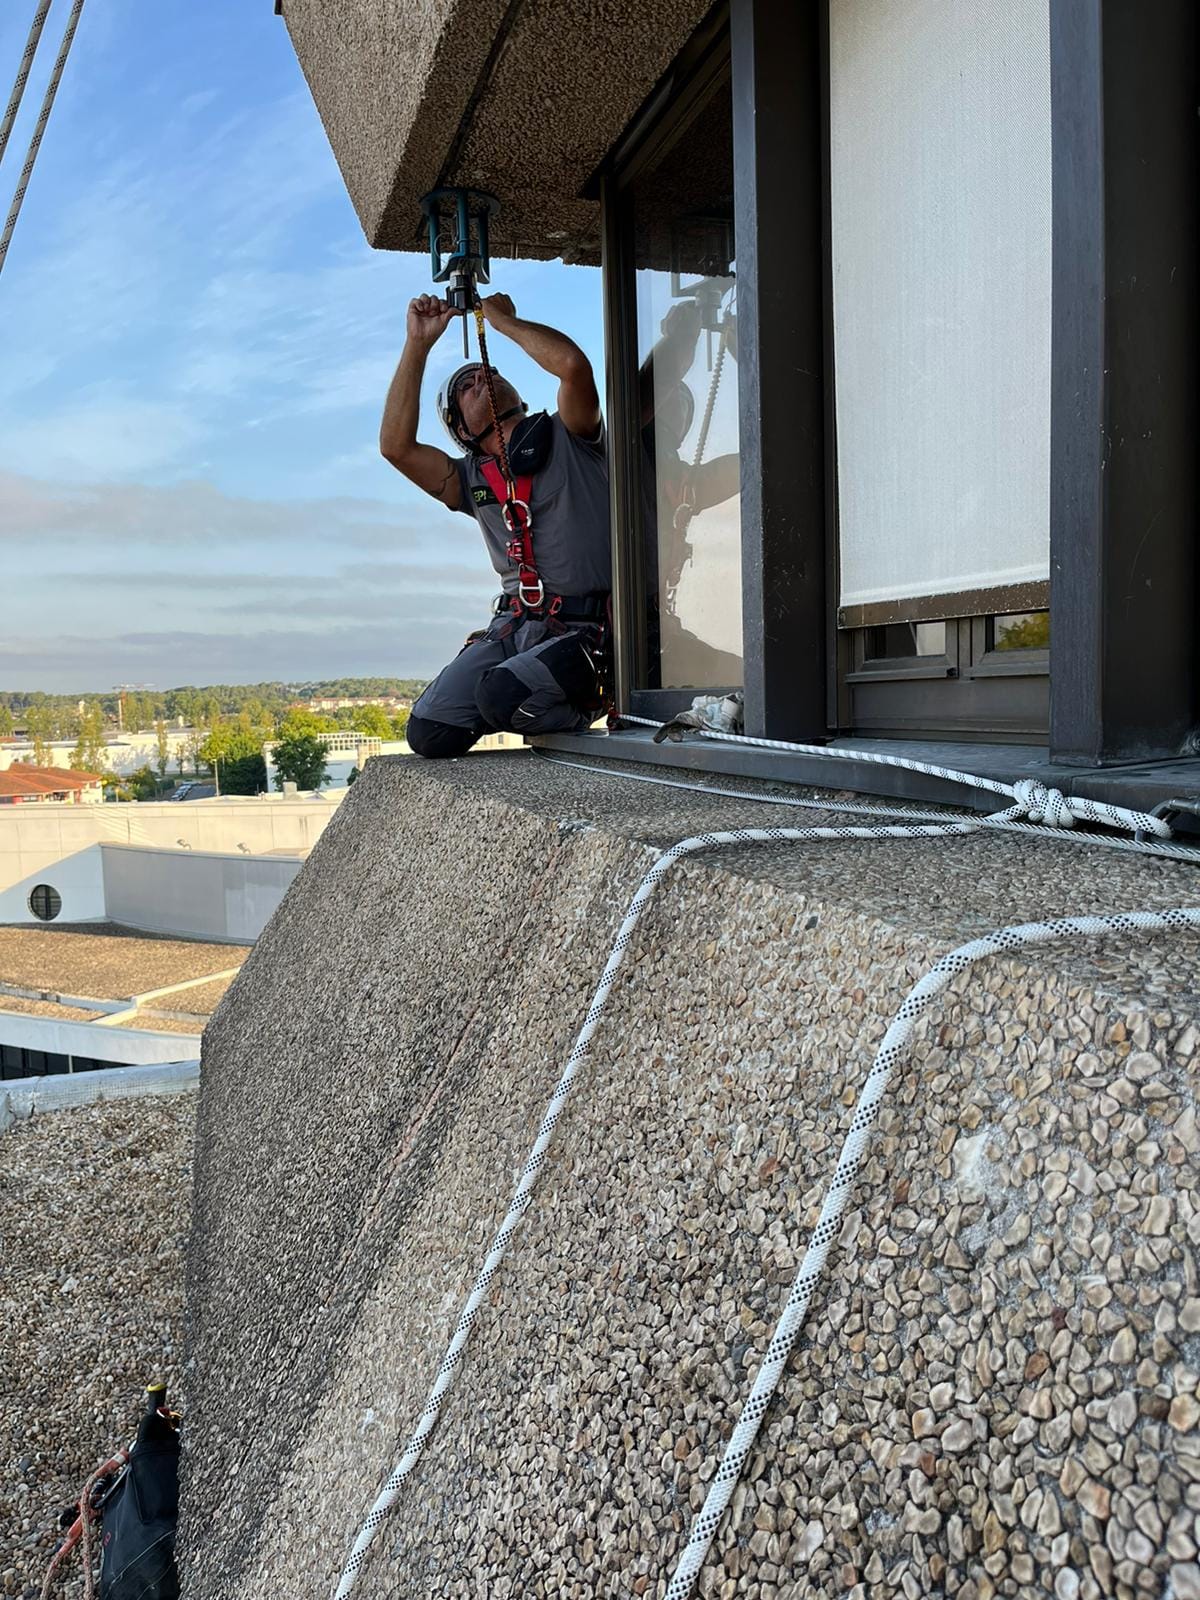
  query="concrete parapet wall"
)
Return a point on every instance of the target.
[
  {"x": 197, "y": 894},
  {"x": 995, "y": 1391}
]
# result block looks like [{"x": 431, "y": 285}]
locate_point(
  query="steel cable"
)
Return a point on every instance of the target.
[{"x": 39, "y": 130}]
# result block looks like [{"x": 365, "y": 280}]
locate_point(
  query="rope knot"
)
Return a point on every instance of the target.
[{"x": 1041, "y": 804}]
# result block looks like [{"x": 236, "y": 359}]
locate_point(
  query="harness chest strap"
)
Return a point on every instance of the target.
[{"x": 514, "y": 498}]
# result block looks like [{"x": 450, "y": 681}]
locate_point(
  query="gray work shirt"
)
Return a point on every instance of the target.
[{"x": 569, "y": 505}]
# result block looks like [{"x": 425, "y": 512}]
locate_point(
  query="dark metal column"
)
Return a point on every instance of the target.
[
  {"x": 620, "y": 361},
  {"x": 1124, "y": 413},
  {"x": 777, "y": 201}
]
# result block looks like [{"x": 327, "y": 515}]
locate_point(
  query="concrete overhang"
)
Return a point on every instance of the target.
[{"x": 524, "y": 98}]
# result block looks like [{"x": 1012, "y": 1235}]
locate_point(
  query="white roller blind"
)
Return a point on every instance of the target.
[{"x": 940, "y": 152}]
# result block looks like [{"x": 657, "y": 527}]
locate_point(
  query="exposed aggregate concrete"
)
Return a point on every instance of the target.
[
  {"x": 394, "y": 81},
  {"x": 996, "y": 1389},
  {"x": 94, "y": 1205}
]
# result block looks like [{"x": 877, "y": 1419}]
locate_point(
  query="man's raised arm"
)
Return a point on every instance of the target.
[
  {"x": 429, "y": 468},
  {"x": 578, "y": 401}
]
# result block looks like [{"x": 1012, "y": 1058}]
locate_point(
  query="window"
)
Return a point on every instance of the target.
[
  {"x": 45, "y": 902},
  {"x": 685, "y": 303}
]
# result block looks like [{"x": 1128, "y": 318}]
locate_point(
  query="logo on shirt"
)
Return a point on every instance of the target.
[{"x": 483, "y": 496}]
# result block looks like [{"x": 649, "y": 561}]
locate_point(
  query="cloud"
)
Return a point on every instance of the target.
[
  {"x": 408, "y": 646},
  {"x": 195, "y": 515}
]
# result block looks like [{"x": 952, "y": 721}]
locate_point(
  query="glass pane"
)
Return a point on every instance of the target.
[
  {"x": 902, "y": 640},
  {"x": 1022, "y": 630},
  {"x": 688, "y": 392}
]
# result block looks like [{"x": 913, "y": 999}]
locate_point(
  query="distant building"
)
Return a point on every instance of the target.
[
  {"x": 27, "y": 784},
  {"x": 391, "y": 703}
]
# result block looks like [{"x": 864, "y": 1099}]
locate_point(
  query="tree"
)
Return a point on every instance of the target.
[
  {"x": 164, "y": 747},
  {"x": 142, "y": 784},
  {"x": 373, "y": 721},
  {"x": 300, "y": 759},
  {"x": 191, "y": 748},
  {"x": 7, "y": 723},
  {"x": 234, "y": 751},
  {"x": 39, "y": 725},
  {"x": 89, "y": 752},
  {"x": 400, "y": 724},
  {"x": 305, "y": 722}
]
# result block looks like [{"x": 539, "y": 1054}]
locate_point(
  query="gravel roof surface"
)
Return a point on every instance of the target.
[
  {"x": 94, "y": 1206},
  {"x": 46, "y": 1008},
  {"x": 105, "y": 960},
  {"x": 155, "y": 1024},
  {"x": 203, "y": 1000}
]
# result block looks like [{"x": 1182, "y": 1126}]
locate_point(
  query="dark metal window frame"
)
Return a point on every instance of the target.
[
  {"x": 1124, "y": 399},
  {"x": 45, "y": 902}
]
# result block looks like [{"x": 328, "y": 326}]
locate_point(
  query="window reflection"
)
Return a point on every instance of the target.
[
  {"x": 1023, "y": 630},
  {"x": 687, "y": 390},
  {"x": 902, "y": 640}
]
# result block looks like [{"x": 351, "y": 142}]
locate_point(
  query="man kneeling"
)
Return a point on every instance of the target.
[{"x": 536, "y": 667}]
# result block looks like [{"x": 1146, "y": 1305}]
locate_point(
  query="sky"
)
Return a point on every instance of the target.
[{"x": 195, "y": 343}]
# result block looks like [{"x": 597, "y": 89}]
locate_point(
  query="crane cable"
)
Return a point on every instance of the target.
[{"x": 43, "y": 118}]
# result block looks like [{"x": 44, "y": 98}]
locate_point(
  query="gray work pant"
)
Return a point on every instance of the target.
[{"x": 522, "y": 675}]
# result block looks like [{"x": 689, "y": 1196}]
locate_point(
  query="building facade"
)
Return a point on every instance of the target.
[{"x": 901, "y": 309}]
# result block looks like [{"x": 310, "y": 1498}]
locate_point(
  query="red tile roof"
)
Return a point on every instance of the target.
[{"x": 23, "y": 780}]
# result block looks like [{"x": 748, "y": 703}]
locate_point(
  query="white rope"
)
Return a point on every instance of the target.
[
  {"x": 1033, "y": 798},
  {"x": 996, "y": 821},
  {"x": 956, "y": 961},
  {"x": 519, "y": 1204},
  {"x": 38, "y": 130},
  {"x": 891, "y": 1052},
  {"x": 18, "y": 91}
]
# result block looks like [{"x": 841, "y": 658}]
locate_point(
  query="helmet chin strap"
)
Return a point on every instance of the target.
[{"x": 474, "y": 440}]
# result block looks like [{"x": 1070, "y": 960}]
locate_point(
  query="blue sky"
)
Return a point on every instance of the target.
[{"x": 195, "y": 342}]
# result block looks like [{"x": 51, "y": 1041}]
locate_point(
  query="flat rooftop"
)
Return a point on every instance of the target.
[{"x": 106, "y": 961}]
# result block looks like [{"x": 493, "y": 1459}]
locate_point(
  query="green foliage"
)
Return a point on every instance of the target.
[
  {"x": 297, "y": 723},
  {"x": 373, "y": 721},
  {"x": 199, "y": 706},
  {"x": 7, "y": 723},
  {"x": 41, "y": 726},
  {"x": 1032, "y": 632},
  {"x": 142, "y": 784},
  {"x": 89, "y": 752},
  {"x": 300, "y": 759},
  {"x": 164, "y": 747},
  {"x": 400, "y": 724}
]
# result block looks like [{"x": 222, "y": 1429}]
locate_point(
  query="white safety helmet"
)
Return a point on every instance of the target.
[
  {"x": 447, "y": 405},
  {"x": 448, "y": 410}
]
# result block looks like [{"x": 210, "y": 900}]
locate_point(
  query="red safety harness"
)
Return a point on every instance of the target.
[{"x": 514, "y": 497}]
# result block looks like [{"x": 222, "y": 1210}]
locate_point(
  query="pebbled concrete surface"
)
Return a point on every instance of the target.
[
  {"x": 395, "y": 80},
  {"x": 996, "y": 1388}
]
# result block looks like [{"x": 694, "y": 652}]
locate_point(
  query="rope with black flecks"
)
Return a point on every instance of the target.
[{"x": 891, "y": 1052}]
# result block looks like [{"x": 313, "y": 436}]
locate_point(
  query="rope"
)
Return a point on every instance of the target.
[
  {"x": 996, "y": 822},
  {"x": 891, "y": 1053},
  {"x": 39, "y": 129},
  {"x": 18, "y": 91},
  {"x": 894, "y": 1045},
  {"x": 1033, "y": 798},
  {"x": 80, "y": 1532},
  {"x": 706, "y": 423},
  {"x": 489, "y": 384}
]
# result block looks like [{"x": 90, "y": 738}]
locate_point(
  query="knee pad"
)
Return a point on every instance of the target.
[
  {"x": 498, "y": 694},
  {"x": 438, "y": 740},
  {"x": 571, "y": 666}
]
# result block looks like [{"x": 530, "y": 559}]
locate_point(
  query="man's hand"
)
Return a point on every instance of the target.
[
  {"x": 497, "y": 310},
  {"x": 682, "y": 324},
  {"x": 428, "y": 319}
]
